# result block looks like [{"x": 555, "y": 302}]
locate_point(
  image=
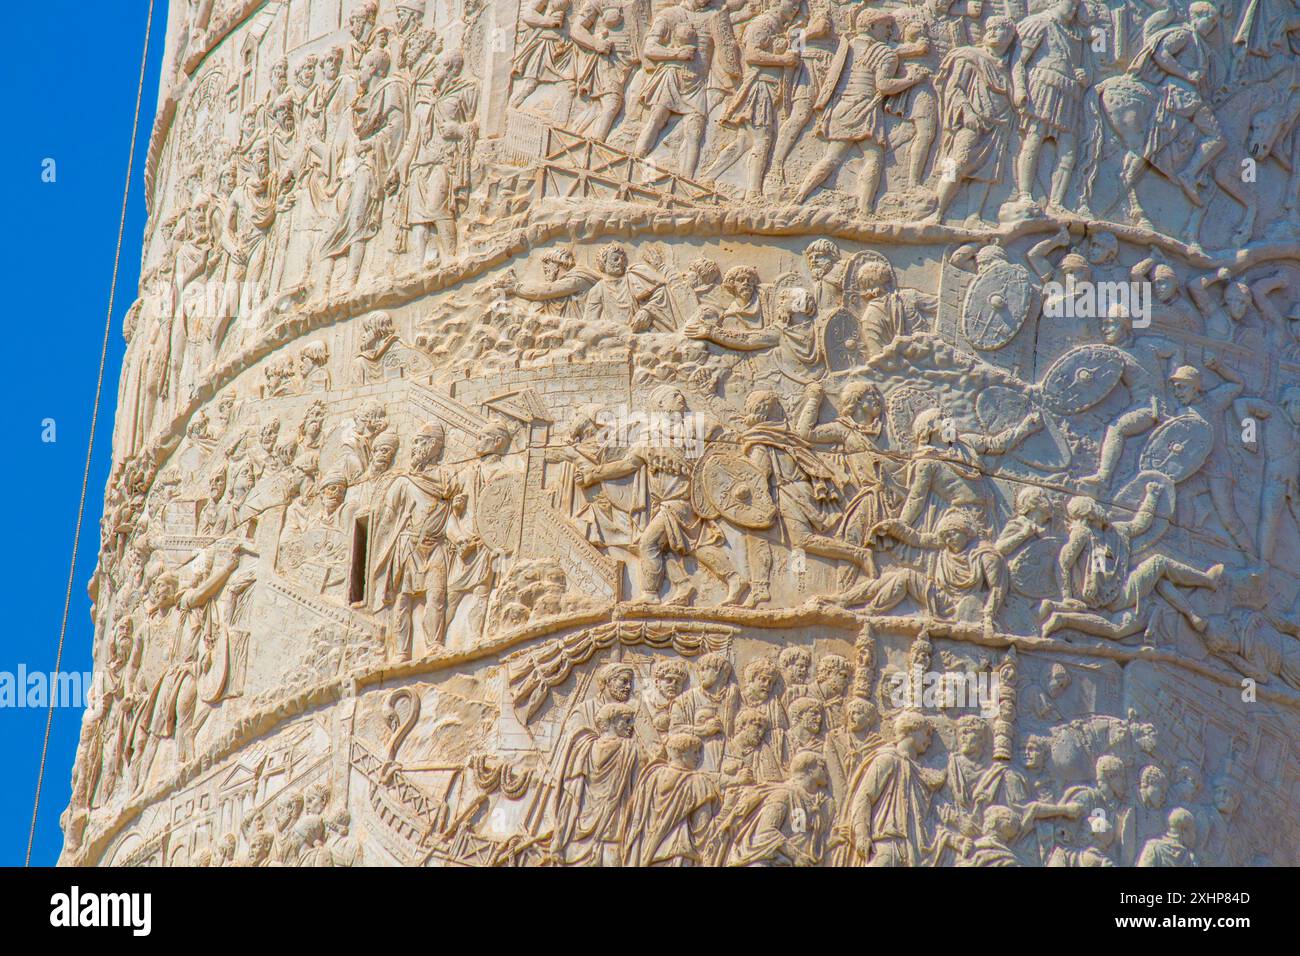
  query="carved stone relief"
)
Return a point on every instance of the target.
[{"x": 707, "y": 433}]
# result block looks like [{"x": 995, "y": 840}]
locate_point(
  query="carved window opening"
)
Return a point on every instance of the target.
[{"x": 357, "y": 575}]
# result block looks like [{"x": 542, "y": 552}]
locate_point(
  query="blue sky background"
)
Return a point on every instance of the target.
[{"x": 70, "y": 80}]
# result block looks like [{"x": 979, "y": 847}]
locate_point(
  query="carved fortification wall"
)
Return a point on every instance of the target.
[{"x": 644, "y": 432}]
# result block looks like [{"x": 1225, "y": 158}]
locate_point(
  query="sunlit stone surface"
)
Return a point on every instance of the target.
[{"x": 582, "y": 432}]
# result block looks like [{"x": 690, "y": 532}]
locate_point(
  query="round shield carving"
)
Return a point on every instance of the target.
[
  {"x": 728, "y": 486},
  {"x": 1082, "y": 378},
  {"x": 497, "y": 513},
  {"x": 999, "y": 407},
  {"x": 903, "y": 404},
  {"x": 996, "y": 306},
  {"x": 1178, "y": 447},
  {"x": 841, "y": 337},
  {"x": 1033, "y": 569}
]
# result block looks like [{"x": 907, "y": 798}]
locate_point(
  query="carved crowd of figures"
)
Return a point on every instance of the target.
[
  {"x": 794, "y": 761},
  {"x": 959, "y": 95},
  {"x": 302, "y": 831},
  {"x": 795, "y": 448},
  {"x": 371, "y": 141},
  {"x": 815, "y": 450}
]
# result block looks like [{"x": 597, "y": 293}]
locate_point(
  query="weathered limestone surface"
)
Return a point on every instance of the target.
[{"x": 627, "y": 432}]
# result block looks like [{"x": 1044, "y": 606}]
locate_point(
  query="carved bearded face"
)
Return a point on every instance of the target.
[
  {"x": 810, "y": 721},
  {"x": 121, "y": 649},
  {"x": 360, "y": 24},
  {"x": 759, "y": 687},
  {"x": 261, "y": 160},
  {"x": 383, "y": 458},
  {"x": 798, "y": 669},
  {"x": 283, "y": 117},
  {"x": 553, "y": 267},
  {"x": 820, "y": 263},
  {"x": 162, "y": 593},
  {"x": 614, "y": 261},
  {"x": 425, "y": 450},
  {"x": 331, "y": 496},
  {"x": 407, "y": 19},
  {"x": 835, "y": 680},
  {"x": 750, "y": 734},
  {"x": 970, "y": 740},
  {"x": 619, "y": 687},
  {"x": 743, "y": 286}
]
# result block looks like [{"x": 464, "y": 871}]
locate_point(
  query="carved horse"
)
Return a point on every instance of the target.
[
  {"x": 1123, "y": 107},
  {"x": 1271, "y": 133}
]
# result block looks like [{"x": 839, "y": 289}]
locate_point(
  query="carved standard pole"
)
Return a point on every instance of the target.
[{"x": 604, "y": 432}]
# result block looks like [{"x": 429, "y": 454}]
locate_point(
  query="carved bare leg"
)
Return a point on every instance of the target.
[
  {"x": 831, "y": 160},
  {"x": 715, "y": 560},
  {"x": 925, "y": 125},
  {"x": 401, "y": 625},
  {"x": 1228, "y": 177},
  {"x": 523, "y": 91},
  {"x": 788, "y": 137},
  {"x": 758, "y": 158},
  {"x": 1112, "y": 446},
  {"x": 952, "y": 170},
  {"x": 692, "y": 139},
  {"x": 1065, "y": 150},
  {"x": 1027, "y": 162},
  {"x": 655, "y": 122},
  {"x": 873, "y": 157},
  {"x": 1226, "y": 506}
]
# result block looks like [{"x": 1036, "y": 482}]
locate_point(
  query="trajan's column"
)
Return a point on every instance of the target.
[{"x": 636, "y": 432}]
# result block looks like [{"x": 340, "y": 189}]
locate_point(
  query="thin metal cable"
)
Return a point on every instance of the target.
[{"x": 94, "y": 419}]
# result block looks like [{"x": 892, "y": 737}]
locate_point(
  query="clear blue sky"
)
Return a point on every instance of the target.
[{"x": 69, "y": 80}]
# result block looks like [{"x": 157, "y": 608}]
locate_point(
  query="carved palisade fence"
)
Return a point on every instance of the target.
[{"x": 638, "y": 432}]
